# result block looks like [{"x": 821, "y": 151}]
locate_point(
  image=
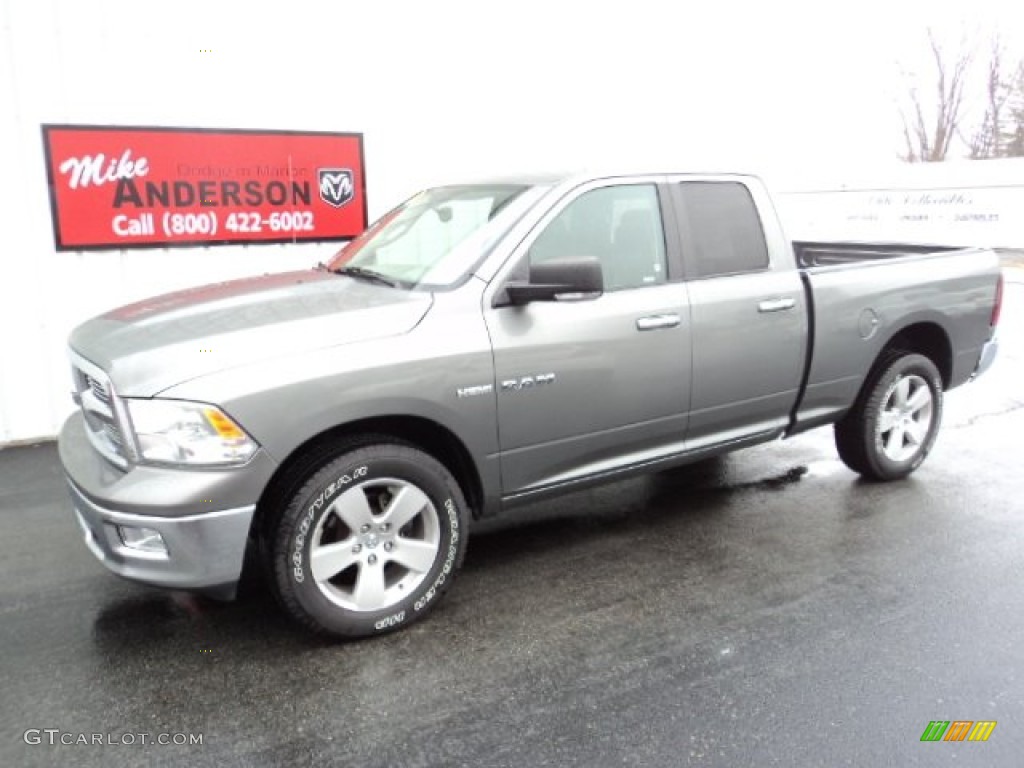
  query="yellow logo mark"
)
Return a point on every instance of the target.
[{"x": 982, "y": 730}]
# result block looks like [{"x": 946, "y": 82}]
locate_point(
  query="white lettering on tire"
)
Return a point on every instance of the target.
[
  {"x": 390, "y": 621},
  {"x": 453, "y": 548},
  {"x": 307, "y": 520}
]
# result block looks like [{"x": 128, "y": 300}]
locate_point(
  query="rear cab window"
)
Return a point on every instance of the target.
[{"x": 722, "y": 231}]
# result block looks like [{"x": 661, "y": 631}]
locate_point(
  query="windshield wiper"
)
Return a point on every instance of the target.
[{"x": 369, "y": 275}]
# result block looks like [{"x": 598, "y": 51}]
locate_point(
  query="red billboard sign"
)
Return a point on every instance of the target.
[{"x": 118, "y": 187}]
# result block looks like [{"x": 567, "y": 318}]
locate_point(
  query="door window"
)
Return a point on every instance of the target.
[
  {"x": 620, "y": 225},
  {"x": 725, "y": 229}
]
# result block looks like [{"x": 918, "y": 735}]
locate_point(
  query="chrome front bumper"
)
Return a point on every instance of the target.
[
  {"x": 203, "y": 552},
  {"x": 988, "y": 356}
]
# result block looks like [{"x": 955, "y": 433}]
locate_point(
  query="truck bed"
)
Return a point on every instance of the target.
[
  {"x": 861, "y": 294},
  {"x": 812, "y": 254}
]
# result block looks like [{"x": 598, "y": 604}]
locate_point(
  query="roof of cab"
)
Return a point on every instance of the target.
[{"x": 582, "y": 176}]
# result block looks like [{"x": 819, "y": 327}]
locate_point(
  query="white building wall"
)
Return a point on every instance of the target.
[{"x": 63, "y": 61}]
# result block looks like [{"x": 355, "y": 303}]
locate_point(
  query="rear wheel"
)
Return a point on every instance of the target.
[
  {"x": 892, "y": 427},
  {"x": 371, "y": 542}
]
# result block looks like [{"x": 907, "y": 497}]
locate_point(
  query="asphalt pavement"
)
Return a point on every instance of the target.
[{"x": 764, "y": 609}]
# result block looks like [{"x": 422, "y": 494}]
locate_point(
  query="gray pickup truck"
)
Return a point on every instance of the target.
[{"x": 482, "y": 346}]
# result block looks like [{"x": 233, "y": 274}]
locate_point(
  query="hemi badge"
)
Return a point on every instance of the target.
[{"x": 480, "y": 389}]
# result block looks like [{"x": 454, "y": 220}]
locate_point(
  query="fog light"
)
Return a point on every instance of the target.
[{"x": 142, "y": 539}]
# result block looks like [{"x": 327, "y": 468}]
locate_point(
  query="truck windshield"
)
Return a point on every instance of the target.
[{"x": 434, "y": 238}]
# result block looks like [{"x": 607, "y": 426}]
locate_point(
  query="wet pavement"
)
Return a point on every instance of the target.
[{"x": 764, "y": 609}]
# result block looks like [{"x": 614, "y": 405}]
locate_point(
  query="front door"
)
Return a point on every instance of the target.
[{"x": 590, "y": 386}]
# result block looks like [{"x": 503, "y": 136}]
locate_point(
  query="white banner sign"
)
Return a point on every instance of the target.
[{"x": 983, "y": 216}]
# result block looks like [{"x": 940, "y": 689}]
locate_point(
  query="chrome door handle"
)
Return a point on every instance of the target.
[
  {"x": 776, "y": 305},
  {"x": 654, "y": 322}
]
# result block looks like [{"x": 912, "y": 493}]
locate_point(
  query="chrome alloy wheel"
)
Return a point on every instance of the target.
[
  {"x": 905, "y": 418},
  {"x": 374, "y": 544}
]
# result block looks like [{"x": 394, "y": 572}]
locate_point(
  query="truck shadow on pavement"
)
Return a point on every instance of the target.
[
  {"x": 686, "y": 497},
  {"x": 678, "y": 505}
]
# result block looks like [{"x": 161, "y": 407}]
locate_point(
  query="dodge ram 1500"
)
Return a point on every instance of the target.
[{"x": 484, "y": 345}]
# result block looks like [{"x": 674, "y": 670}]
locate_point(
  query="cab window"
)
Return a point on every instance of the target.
[
  {"x": 620, "y": 225},
  {"x": 725, "y": 229}
]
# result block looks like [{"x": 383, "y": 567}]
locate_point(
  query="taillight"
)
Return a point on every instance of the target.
[{"x": 998, "y": 308}]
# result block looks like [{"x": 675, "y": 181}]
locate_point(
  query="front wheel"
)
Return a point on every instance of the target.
[
  {"x": 370, "y": 542},
  {"x": 893, "y": 425}
]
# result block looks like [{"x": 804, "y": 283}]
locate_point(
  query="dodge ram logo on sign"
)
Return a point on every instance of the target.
[{"x": 336, "y": 186}]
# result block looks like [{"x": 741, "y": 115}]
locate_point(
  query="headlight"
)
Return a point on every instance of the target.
[{"x": 180, "y": 432}]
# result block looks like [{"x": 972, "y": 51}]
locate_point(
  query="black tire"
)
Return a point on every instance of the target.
[
  {"x": 364, "y": 482},
  {"x": 864, "y": 443}
]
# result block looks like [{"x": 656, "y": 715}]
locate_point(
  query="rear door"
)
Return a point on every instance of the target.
[
  {"x": 747, "y": 309},
  {"x": 586, "y": 387}
]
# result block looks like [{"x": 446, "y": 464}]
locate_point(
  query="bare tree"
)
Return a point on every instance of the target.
[
  {"x": 929, "y": 128},
  {"x": 1013, "y": 135},
  {"x": 988, "y": 137},
  {"x": 1001, "y": 132},
  {"x": 934, "y": 112}
]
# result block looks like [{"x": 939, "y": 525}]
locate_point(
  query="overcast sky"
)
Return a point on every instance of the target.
[{"x": 804, "y": 86}]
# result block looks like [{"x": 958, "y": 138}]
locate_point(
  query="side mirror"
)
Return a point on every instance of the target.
[{"x": 558, "y": 280}]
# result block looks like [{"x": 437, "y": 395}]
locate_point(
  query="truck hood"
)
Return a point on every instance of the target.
[{"x": 166, "y": 340}]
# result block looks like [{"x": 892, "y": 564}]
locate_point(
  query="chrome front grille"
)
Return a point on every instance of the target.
[
  {"x": 101, "y": 409},
  {"x": 98, "y": 388},
  {"x": 114, "y": 436}
]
